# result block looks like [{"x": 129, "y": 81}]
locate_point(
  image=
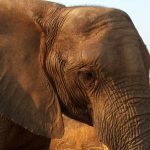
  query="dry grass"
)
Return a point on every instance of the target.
[{"x": 77, "y": 137}]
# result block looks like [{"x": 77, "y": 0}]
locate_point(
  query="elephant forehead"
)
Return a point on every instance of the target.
[
  {"x": 83, "y": 19},
  {"x": 83, "y": 16}
]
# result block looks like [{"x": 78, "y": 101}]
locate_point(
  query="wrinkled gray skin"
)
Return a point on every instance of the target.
[{"x": 86, "y": 62}]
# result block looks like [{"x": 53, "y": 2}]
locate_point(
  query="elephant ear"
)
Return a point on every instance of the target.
[{"x": 27, "y": 96}]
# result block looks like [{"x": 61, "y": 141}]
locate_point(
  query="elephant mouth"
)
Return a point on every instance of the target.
[{"x": 122, "y": 116}]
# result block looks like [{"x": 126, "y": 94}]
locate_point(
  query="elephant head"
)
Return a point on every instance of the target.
[
  {"x": 100, "y": 68},
  {"x": 86, "y": 62}
]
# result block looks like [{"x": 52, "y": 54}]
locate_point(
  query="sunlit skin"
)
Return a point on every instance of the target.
[{"x": 86, "y": 62}]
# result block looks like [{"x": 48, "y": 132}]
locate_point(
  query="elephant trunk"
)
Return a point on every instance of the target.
[{"x": 122, "y": 117}]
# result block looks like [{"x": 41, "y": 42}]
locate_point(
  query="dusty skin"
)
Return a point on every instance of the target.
[{"x": 88, "y": 63}]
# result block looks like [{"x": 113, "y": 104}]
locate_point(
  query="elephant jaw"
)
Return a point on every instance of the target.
[{"x": 122, "y": 121}]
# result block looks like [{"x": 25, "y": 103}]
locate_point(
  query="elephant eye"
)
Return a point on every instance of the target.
[{"x": 87, "y": 77}]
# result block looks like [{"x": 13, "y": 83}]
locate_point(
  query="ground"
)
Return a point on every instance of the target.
[{"x": 77, "y": 136}]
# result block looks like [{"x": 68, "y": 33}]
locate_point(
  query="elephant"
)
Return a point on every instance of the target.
[{"x": 86, "y": 62}]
